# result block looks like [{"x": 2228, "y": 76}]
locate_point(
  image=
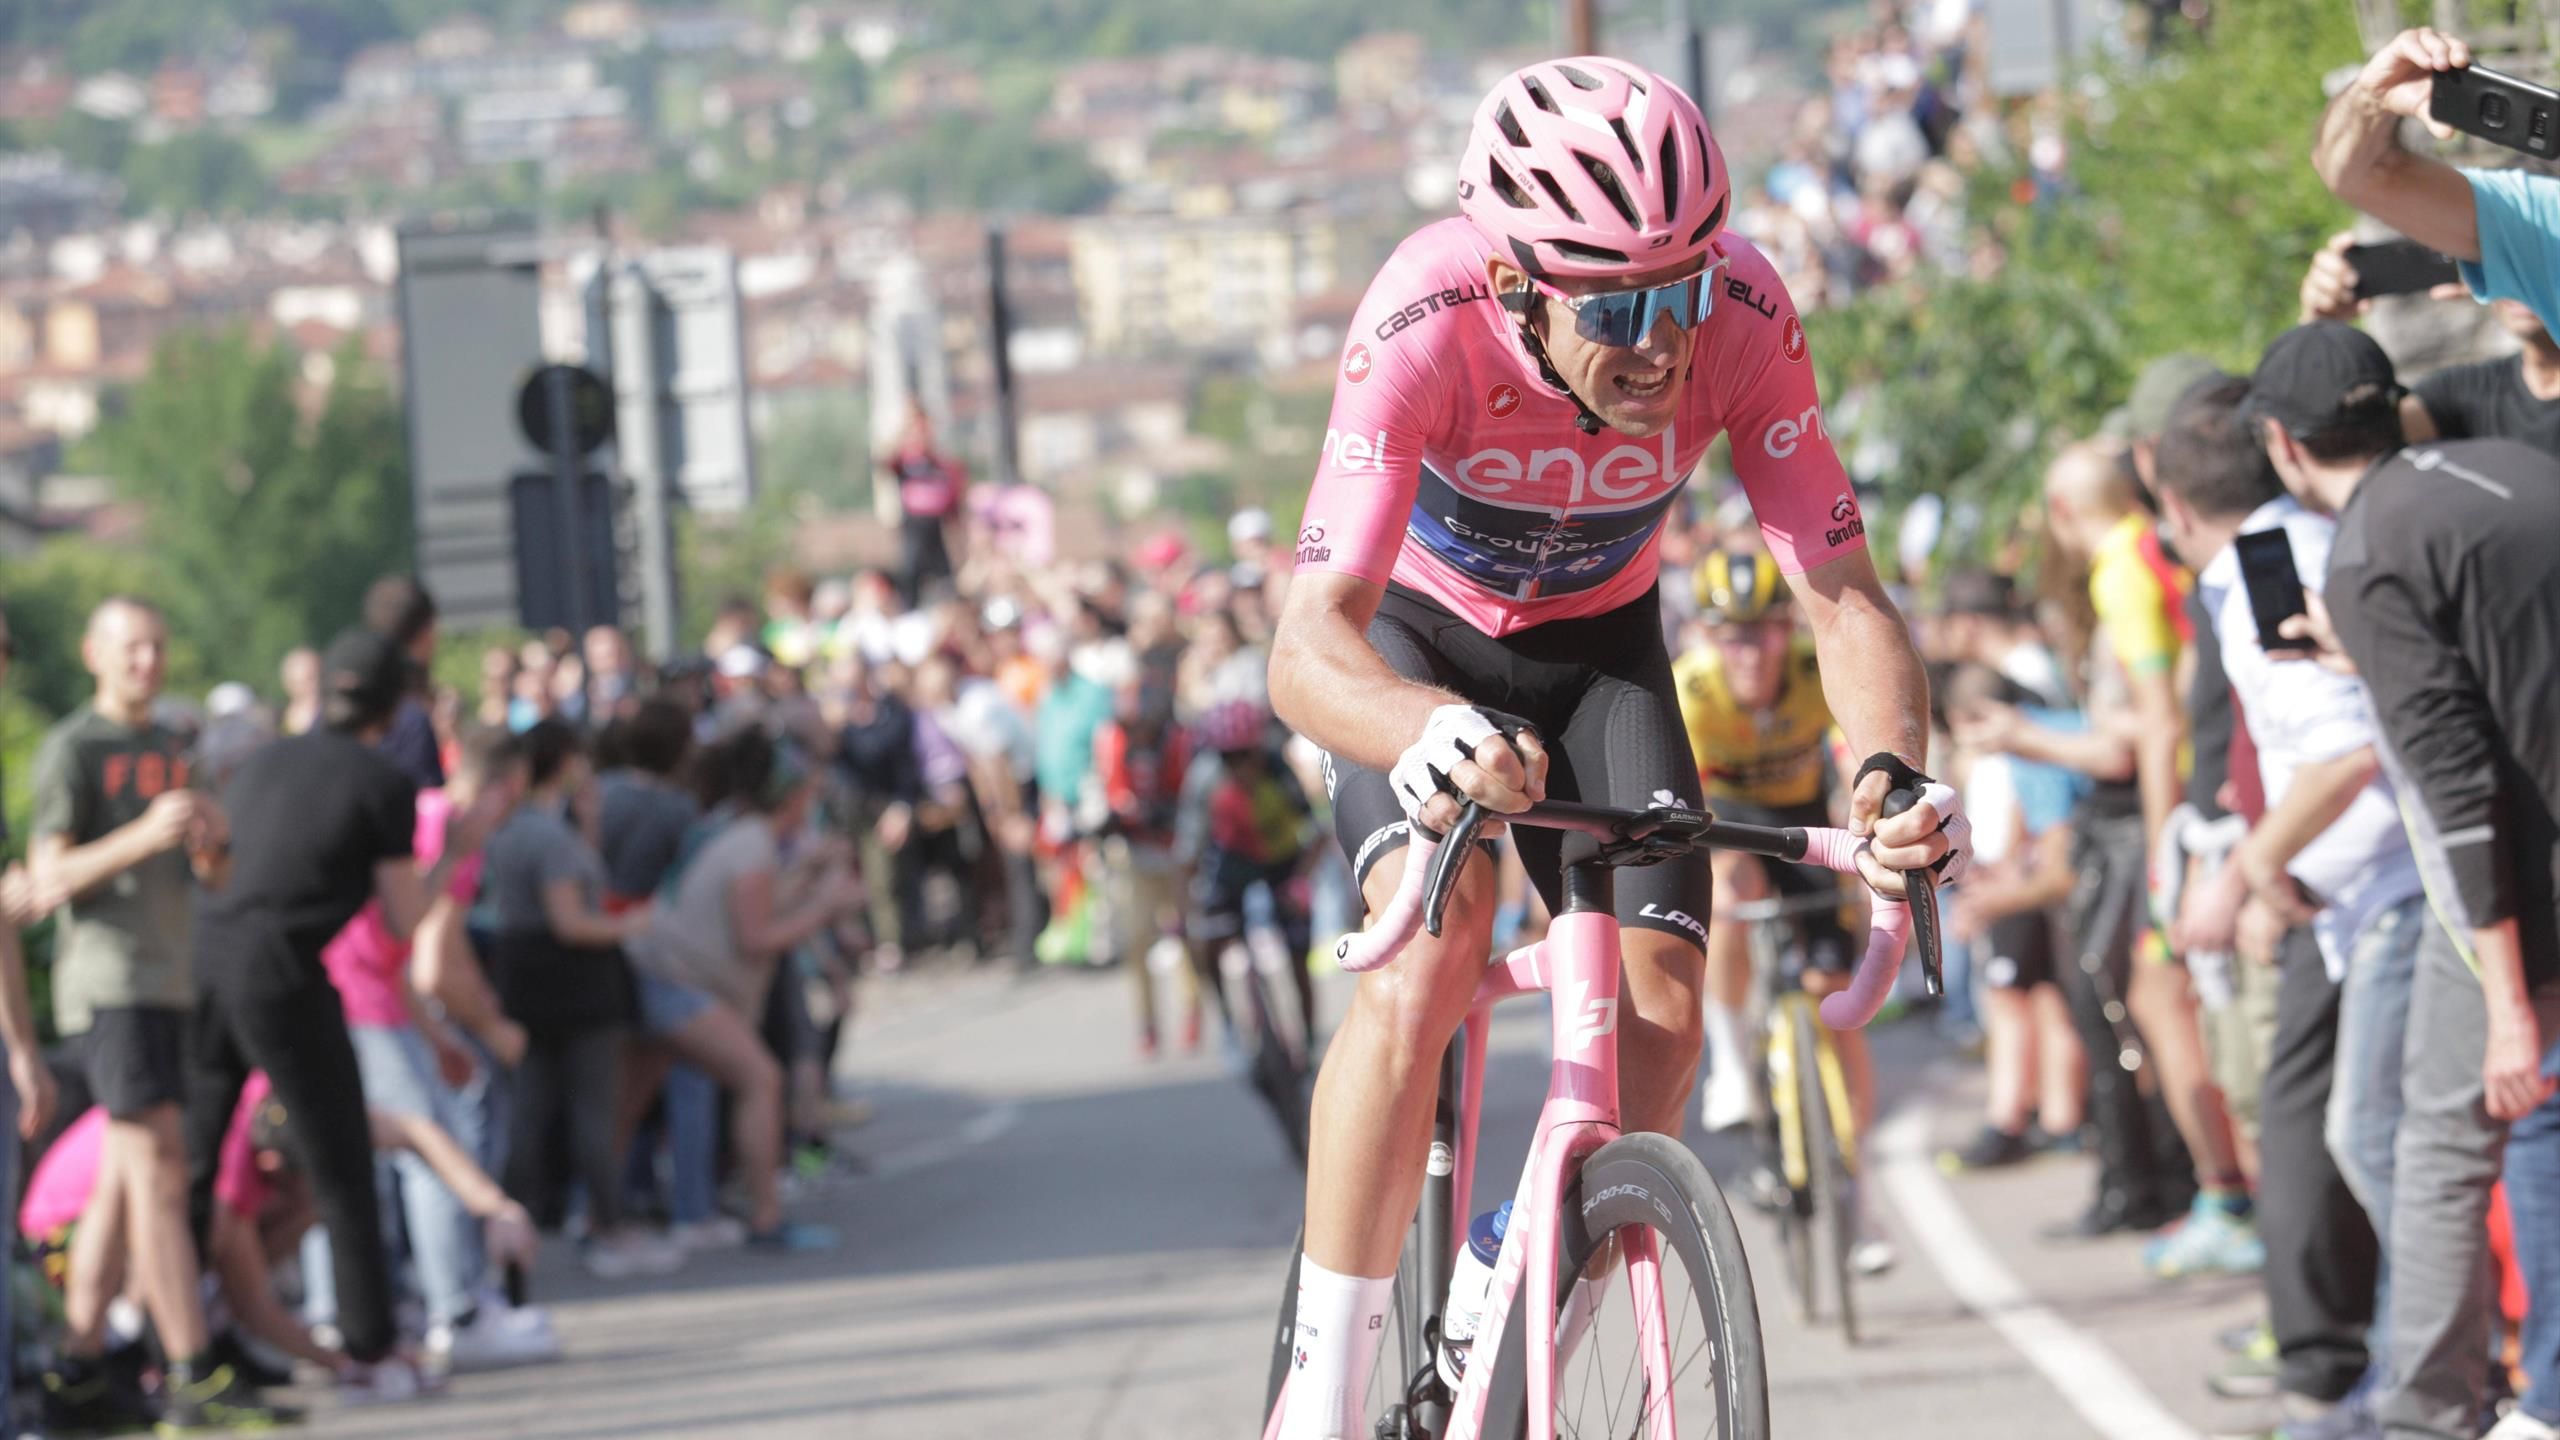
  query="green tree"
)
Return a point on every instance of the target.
[
  {"x": 198, "y": 173},
  {"x": 263, "y": 527},
  {"x": 2192, "y": 210},
  {"x": 49, "y": 594}
]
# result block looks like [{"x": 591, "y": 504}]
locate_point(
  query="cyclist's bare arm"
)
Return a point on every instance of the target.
[
  {"x": 1879, "y": 695},
  {"x": 1332, "y": 687}
]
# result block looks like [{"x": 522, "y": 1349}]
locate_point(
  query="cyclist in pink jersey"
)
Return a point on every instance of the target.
[{"x": 1523, "y": 393}]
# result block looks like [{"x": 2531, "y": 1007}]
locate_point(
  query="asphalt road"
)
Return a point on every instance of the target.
[{"x": 1058, "y": 1241}]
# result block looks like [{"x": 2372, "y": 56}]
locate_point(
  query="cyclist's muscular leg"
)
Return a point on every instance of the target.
[
  {"x": 1739, "y": 879},
  {"x": 1373, "y": 1099},
  {"x": 1661, "y": 1027}
]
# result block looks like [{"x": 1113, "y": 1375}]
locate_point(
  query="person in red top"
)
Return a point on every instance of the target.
[
  {"x": 926, "y": 486},
  {"x": 1141, "y": 756}
]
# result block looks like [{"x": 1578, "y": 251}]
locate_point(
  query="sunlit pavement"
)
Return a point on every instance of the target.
[{"x": 1056, "y": 1240}]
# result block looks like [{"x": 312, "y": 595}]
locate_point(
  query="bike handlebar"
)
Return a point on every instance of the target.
[{"x": 1644, "y": 837}]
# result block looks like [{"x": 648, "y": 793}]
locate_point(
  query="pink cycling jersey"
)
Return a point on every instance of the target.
[{"x": 1452, "y": 469}]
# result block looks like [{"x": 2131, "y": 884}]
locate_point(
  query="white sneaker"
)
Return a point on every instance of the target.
[
  {"x": 1872, "y": 1255},
  {"x": 493, "y": 1342},
  {"x": 384, "y": 1382},
  {"x": 2520, "y": 1426},
  {"x": 720, "y": 1232},
  {"x": 1730, "y": 1099},
  {"x": 633, "y": 1255}
]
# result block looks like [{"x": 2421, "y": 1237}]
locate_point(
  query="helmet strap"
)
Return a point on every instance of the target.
[{"x": 1518, "y": 302}]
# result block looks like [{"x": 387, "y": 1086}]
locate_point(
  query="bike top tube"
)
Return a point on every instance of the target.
[{"x": 1649, "y": 836}]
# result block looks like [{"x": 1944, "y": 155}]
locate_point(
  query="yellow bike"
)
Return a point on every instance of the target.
[{"x": 1809, "y": 1130}]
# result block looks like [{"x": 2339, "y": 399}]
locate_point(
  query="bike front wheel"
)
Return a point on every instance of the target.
[{"x": 1645, "y": 1197}]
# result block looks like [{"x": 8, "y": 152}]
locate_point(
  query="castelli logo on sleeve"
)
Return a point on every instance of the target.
[
  {"x": 1791, "y": 339},
  {"x": 1355, "y": 364},
  {"x": 1501, "y": 400}
]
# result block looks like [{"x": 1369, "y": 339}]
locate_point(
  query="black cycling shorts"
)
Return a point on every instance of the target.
[
  {"x": 2020, "y": 951},
  {"x": 1828, "y": 945},
  {"x": 1599, "y": 692}
]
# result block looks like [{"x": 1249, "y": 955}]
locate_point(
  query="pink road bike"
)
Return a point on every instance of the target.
[{"x": 1596, "y": 1210}]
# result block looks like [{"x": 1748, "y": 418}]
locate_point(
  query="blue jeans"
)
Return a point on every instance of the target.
[
  {"x": 693, "y": 1145},
  {"x": 2533, "y": 1204},
  {"x": 2363, "y": 1122},
  {"x": 399, "y": 1070}
]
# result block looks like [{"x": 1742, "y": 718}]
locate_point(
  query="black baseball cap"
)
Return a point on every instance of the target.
[
  {"x": 365, "y": 671},
  {"x": 2304, "y": 380}
]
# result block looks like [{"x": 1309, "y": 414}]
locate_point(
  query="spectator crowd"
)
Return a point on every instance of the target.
[{"x": 360, "y": 997}]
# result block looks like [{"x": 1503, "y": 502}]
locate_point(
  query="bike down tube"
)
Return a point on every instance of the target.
[{"x": 1580, "y": 1116}]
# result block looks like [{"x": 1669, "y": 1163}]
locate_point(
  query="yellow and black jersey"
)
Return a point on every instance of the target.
[{"x": 1774, "y": 757}]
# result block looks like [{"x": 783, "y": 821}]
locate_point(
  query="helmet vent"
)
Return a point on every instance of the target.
[
  {"x": 1589, "y": 254},
  {"x": 1556, "y": 193},
  {"x": 1580, "y": 79},
  {"x": 1715, "y": 218},
  {"x": 1509, "y": 189},
  {"x": 1538, "y": 94},
  {"x": 1670, "y": 176},
  {"x": 1607, "y": 180},
  {"x": 1509, "y": 125},
  {"x": 1635, "y": 157}
]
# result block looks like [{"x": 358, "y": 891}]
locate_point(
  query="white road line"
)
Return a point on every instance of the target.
[
  {"x": 980, "y": 1128},
  {"x": 2083, "y": 1371}
]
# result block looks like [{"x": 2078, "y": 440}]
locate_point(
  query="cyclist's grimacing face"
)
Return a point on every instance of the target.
[
  {"x": 1755, "y": 658},
  {"x": 1634, "y": 389}
]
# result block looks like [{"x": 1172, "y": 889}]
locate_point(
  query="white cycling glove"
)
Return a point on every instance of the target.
[
  {"x": 1937, "y": 796},
  {"x": 1451, "y": 735}
]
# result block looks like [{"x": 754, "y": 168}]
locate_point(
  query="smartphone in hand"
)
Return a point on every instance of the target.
[
  {"x": 2498, "y": 108},
  {"x": 2275, "y": 589},
  {"x": 2399, "y": 267}
]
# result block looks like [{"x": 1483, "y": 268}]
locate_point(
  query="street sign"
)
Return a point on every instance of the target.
[{"x": 590, "y": 410}]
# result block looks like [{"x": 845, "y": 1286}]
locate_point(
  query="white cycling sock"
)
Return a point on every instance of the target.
[
  {"x": 1724, "y": 1040},
  {"x": 1341, "y": 1319}
]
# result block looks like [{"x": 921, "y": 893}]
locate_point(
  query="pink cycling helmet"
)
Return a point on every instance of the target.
[
  {"x": 1232, "y": 725},
  {"x": 1592, "y": 167}
]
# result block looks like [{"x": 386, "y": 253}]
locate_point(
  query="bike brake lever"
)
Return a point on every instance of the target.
[
  {"x": 1921, "y": 888},
  {"x": 1446, "y": 865}
]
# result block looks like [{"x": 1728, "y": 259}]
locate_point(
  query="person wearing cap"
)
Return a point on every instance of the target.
[
  {"x": 119, "y": 831},
  {"x": 319, "y": 824},
  {"x": 2443, "y": 592},
  {"x": 2503, "y": 226},
  {"x": 2144, "y": 416},
  {"x": 2328, "y": 865}
]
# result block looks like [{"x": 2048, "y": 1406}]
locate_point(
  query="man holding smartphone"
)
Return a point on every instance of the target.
[
  {"x": 2502, "y": 225},
  {"x": 2443, "y": 591},
  {"x": 2329, "y": 862},
  {"x": 2513, "y": 397}
]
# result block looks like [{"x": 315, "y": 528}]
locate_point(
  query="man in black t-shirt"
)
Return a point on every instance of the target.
[
  {"x": 320, "y": 823},
  {"x": 2516, "y": 398}
]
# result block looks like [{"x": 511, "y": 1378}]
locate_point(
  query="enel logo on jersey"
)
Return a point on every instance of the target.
[{"x": 1622, "y": 473}]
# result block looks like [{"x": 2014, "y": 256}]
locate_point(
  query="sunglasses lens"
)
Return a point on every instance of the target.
[{"x": 1623, "y": 318}]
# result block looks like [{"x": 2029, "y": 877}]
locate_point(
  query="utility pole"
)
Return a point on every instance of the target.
[
  {"x": 1000, "y": 328},
  {"x": 1689, "y": 54},
  {"x": 1575, "y": 29}
]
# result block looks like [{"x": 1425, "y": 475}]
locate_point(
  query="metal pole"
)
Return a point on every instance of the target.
[
  {"x": 1575, "y": 30},
  {"x": 1000, "y": 327},
  {"x": 1689, "y": 54},
  {"x": 567, "y": 475},
  {"x": 628, "y": 338}
]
